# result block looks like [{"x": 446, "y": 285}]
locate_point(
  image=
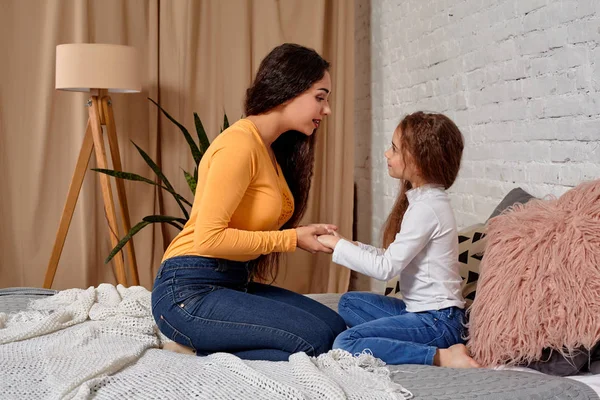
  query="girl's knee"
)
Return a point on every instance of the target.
[
  {"x": 345, "y": 340},
  {"x": 339, "y": 343},
  {"x": 347, "y": 302},
  {"x": 348, "y": 306}
]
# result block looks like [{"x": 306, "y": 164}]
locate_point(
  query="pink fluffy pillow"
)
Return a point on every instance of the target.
[{"x": 540, "y": 280}]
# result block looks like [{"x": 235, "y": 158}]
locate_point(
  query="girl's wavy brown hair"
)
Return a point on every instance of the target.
[{"x": 435, "y": 145}]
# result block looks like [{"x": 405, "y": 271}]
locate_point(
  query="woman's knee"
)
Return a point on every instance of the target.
[
  {"x": 323, "y": 341},
  {"x": 330, "y": 317},
  {"x": 313, "y": 338},
  {"x": 338, "y": 325}
]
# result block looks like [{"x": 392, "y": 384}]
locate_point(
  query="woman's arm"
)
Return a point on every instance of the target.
[{"x": 229, "y": 175}]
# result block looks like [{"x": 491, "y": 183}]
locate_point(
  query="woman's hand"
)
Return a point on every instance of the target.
[
  {"x": 307, "y": 237},
  {"x": 331, "y": 229}
]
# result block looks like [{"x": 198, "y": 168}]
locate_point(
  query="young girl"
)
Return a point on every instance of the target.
[{"x": 420, "y": 237}]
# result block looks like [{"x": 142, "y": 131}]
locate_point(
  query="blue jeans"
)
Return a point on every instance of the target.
[
  {"x": 396, "y": 336},
  {"x": 209, "y": 305}
]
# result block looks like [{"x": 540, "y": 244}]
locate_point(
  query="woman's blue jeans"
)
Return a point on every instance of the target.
[
  {"x": 209, "y": 305},
  {"x": 396, "y": 336}
]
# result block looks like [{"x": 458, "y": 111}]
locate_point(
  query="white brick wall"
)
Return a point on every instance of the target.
[{"x": 520, "y": 78}]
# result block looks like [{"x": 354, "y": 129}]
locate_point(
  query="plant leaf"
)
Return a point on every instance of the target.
[
  {"x": 190, "y": 181},
  {"x": 153, "y": 165},
  {"x": 225, "y": 121},
  {"x": 135, "y": 177},
  {"x": 161, "y": 176},
  {"x": 202, "y": 137},
  {"x": 125, "y": 239},
  {"x": 193, "y": 147},
  {"x": 166, "y": 219},
  {"x": 124, "y": 175},
  {"x": 175, "y": 225},
  {"x": 150, "y": 219}
]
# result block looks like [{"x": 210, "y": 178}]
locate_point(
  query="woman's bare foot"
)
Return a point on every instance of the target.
[
  {"x": 178, "y": 348},
  {"x": 456, "y": 356}
]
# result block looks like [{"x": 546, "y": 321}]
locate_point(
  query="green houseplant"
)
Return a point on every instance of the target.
[{"x": 162, "y": 182}]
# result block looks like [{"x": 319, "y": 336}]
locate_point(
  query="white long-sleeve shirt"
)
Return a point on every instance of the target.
[{"x": 424, "y": 253}]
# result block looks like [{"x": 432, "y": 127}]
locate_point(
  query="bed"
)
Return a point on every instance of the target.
[{"x": 148, "y": 372}]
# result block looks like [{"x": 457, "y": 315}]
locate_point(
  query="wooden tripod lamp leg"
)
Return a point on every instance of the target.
[
  {"x": 65, "y": 220},
  {"x": 113, "y": 142},
  {"x": 109, "y": 205}
]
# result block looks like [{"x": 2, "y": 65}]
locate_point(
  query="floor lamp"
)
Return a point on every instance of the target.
[{"x": 97, "y": 69}]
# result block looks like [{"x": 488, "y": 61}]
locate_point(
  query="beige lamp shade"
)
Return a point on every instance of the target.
[{"x": 84, "y": 66}]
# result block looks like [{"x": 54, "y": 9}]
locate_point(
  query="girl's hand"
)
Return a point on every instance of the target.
[
  {"x": 307, "y": 237},
  {"x": 337, "y": 235},
  {"x": 330, "y": 240}
]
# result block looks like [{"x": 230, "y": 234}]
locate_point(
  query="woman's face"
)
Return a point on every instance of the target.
[{"x": 304, "y": 113}]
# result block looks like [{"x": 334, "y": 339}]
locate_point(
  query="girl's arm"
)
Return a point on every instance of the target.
[
  {"x": 333, "y": 238},
  {"x": 418, "y": 227},
  {"x": 377, "y": 251}
]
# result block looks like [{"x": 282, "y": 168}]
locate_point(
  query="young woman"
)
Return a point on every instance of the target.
[{"x": 253, "y": 185}]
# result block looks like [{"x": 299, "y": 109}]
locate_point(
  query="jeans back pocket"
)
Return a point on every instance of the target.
[{"x": 191, "y": 296}]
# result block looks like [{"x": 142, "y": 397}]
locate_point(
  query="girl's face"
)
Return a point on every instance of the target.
[
  {"x": 305, "y": 112},
  {"x": 400, "y": 163}
]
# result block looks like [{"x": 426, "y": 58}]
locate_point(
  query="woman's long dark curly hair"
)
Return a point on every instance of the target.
[{"x": 286, "y": 72}]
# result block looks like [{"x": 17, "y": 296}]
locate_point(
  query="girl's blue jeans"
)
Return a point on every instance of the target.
[
  {"x": 396, "y": 336},
  {"x": 209, "y": 305}
]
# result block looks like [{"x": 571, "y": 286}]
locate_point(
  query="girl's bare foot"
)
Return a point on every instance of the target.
[
  {"x": 178, "y": 348},
  {"x": 456, "y": 356}
]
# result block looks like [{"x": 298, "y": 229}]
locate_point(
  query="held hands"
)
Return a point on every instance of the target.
[
  {"x": 330, "y": 240},
  {"x": 307, "y": 237}
]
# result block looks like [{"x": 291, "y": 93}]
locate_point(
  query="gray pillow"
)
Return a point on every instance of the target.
[
  {"x": 556, "y": 364},
  {"x": 516, "y": 195}
]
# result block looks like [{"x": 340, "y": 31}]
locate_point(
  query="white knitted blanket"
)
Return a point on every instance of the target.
[{"x": 102, "y": 343}]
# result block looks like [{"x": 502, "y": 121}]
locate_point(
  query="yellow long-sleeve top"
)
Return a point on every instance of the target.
[{"x": 241, "y": 201}]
